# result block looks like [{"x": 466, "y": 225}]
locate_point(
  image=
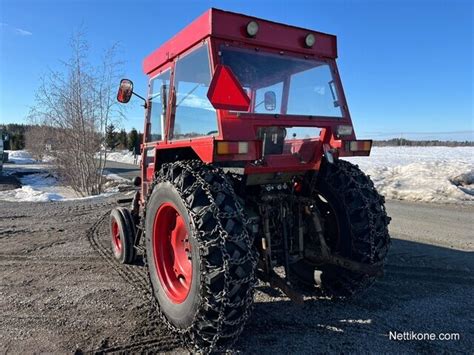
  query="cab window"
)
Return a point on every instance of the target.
[
  {"x": 194, "y": 114},
  {"x": 158, "y": 102}
]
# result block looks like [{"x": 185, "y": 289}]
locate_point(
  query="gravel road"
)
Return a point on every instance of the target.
[{"x": 61, "y": 291}]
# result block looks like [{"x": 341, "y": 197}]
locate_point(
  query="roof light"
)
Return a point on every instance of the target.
[
  {"x": 343, "y": 131},
  {"x": 309, "y": 40},
  {"x": 252, "y": 28}
]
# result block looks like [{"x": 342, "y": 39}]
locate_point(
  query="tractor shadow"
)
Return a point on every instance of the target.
[{"x": 426, "y": 288}]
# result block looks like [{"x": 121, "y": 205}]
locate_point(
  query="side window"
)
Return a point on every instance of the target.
[
  {"x": 158, "y": 105},
  {"x": 194, "y": 114}
]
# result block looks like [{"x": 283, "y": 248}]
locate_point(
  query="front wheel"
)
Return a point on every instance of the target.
[
  {"x": 122, "y": 233},
  {"x": 355, "y": 226},
  {"x": 200, "y": 257}
]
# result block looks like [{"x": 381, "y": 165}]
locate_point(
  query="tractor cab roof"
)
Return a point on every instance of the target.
[{"x": 232, "y": 27}]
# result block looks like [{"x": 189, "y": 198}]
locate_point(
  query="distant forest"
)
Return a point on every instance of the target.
[
  {"x": 16, "y": 139},
  {"x": 16, "y": 136},
  {"x": 401, "y": 142}
]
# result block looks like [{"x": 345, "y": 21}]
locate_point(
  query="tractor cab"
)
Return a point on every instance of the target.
[{"x": 237, "y": 91}]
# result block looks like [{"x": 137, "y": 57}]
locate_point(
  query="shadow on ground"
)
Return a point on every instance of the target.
[{"x": 426, "y": 289}]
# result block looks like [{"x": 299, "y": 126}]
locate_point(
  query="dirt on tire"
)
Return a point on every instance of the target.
[{"x": 62, "y": 291}]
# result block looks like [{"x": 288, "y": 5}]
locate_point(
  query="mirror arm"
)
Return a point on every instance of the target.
[{"x": 141, "y": 97}]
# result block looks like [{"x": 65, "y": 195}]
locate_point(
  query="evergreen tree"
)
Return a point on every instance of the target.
[
  {"x": 110, "y": 136},
  {"x": 122, "y": 139},
  {"x": 133, "y": 140}
]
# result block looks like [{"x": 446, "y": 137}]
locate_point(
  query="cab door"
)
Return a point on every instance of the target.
[{"x": 156, "y": 122}]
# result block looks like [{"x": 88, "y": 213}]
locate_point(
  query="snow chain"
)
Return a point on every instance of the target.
[
  {"x": 373, "y": 204},
  {"x": 212, "y": 181}
]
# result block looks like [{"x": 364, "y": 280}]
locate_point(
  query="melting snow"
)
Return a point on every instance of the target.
[
  {"x": 123, "y": 156},
  {"x": 20, "y": 157},
  {"x": 428, "y": 174}
]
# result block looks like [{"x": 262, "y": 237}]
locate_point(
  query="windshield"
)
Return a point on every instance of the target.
[{"x": 278, "y": 84}]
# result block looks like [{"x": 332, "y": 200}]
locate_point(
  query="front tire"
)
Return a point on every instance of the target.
[
  {"x": 209, "y": 298},
  {"x": 122, "y": 233}
]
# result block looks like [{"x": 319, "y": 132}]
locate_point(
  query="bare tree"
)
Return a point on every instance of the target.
[
  {"x": 78, "y": 103},
  {"x": 37, "y": 141}
]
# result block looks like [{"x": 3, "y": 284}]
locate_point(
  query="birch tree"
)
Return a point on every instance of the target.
[{"x": 78, "y": 102}]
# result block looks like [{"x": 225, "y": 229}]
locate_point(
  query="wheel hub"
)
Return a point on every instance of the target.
[
  {"x": 172, "y": 252},
  {"x": 116, "y": 241}
]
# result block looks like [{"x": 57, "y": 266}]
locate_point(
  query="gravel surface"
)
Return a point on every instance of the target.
[{"x": 61, "y": 291}]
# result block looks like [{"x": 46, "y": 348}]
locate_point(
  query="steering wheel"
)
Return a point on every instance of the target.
[{"x": 211, "y": 132}]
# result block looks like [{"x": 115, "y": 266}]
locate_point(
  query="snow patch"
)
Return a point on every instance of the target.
[
  {"x": 123, "y": 156},
  {"x": 426, "y": 174},
  {"x": 111, "y": 176},
  {"x": 43, "y": 187},
  {"x": 38, "y": 185},
  {"x": 20, "y": 157}
]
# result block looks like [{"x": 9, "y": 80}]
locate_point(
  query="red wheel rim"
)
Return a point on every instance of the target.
[
  {"x": 116, "y": 241},
  {"x": 172, "y": 253}
]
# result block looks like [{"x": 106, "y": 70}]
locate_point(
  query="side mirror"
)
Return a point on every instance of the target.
[
  {"x": 270, "y": 100},
  {"x": 225, "y": 92},
  {"x": 125, "y": 91}
]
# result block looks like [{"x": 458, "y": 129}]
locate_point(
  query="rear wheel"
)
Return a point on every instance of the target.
[
  {"x": 200, "y": 257},
  {"x": 355, "y": 226}
]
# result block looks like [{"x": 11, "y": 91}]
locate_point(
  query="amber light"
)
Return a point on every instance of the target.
[
  {"x": 224, "y": 148},
  {"x": 358, "y": 146}
]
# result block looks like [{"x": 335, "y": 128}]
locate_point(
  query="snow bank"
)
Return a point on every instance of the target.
[
  {"x": 38, "y": 187},
  {"x": 29, "y": 194},
  {"x": 428, "y": 174},
  {"x": 123, "y": 156},
  {"x": 20, "y": 157},
  {"x": 43, "y": 187}
]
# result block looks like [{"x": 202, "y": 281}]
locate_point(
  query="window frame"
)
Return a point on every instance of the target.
[
  {"x": 172, "y": 111},
  {"x": 331, "y": 62},
  {"x": 149, "y": 114}
]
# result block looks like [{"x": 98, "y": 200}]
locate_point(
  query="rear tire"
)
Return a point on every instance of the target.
[
  {"x": 214, "y": 299},
  {"x": 355, "y": 226}
]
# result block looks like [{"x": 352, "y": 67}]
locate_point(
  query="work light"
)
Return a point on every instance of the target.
[
  {"x": 309, "y": 40},
  {"x": 252, "y": 28},
  {"x": 343, "y": 130}
]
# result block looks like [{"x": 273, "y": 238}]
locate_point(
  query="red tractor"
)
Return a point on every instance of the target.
[{"x": 241, "y": 176}]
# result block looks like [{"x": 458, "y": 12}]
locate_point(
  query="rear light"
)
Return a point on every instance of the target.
[
  {"x": 358, "y": 146},
  {"x": 309, "y": 40},
  {"x": 343, "y": 131},
  {"x": 224, "y": 148},
  {"x": 252, "y": 28}
]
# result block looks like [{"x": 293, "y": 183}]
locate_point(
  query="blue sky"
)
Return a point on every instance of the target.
[{"x": 406, "y": 66}]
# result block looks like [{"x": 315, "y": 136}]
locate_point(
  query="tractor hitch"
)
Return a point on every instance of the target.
[
  {"x": 276, "y": 281},
  {"x": 327, "y": 258}
]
